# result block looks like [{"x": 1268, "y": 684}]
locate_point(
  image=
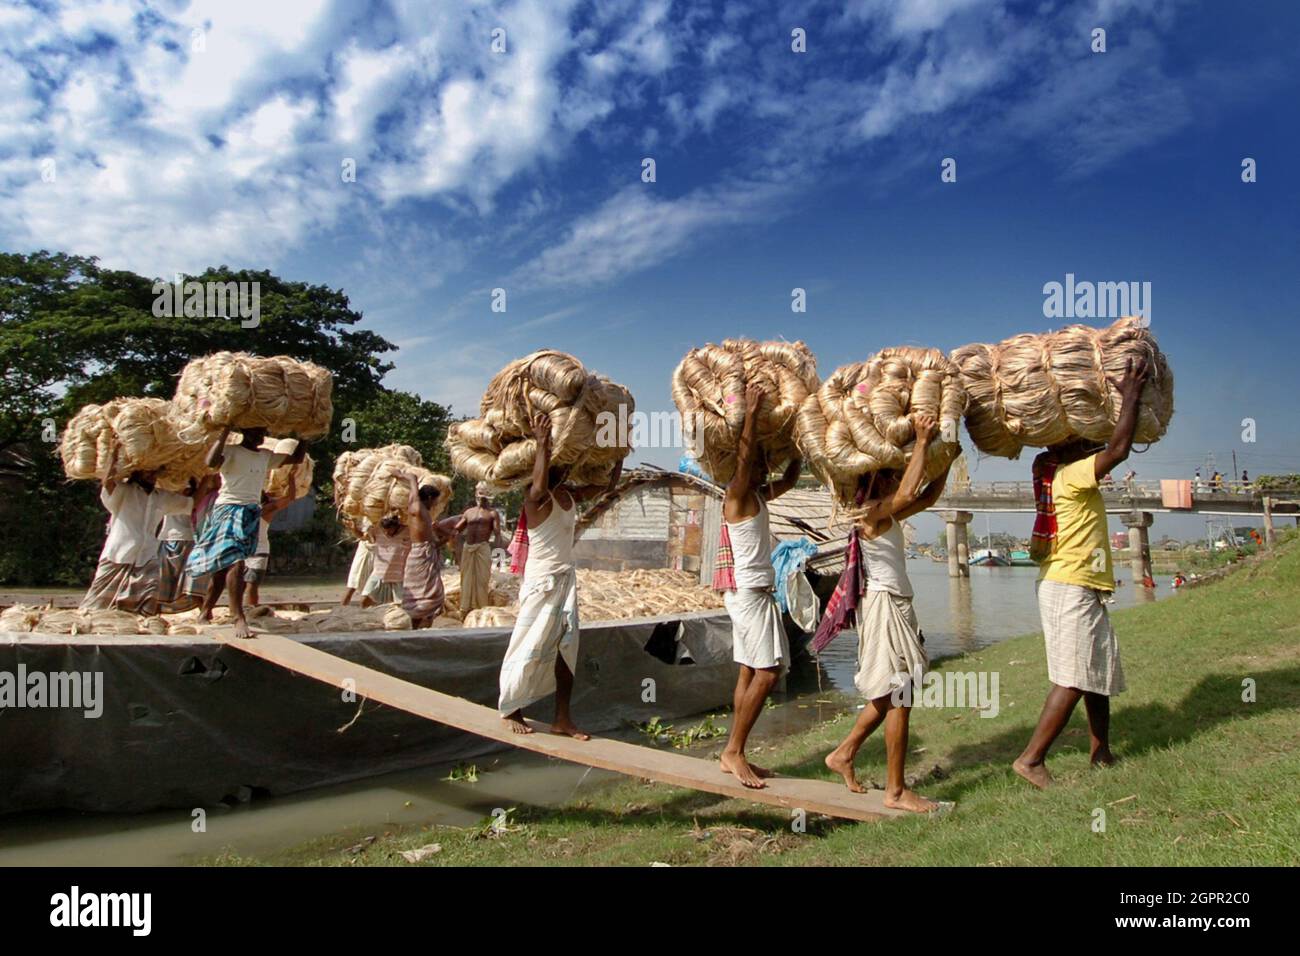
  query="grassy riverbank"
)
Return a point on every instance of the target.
[{"x": 1204, "y": 778}]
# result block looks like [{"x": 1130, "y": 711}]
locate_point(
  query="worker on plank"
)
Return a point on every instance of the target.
[
  {"x": 761, "y": 646},
  {"x": 543, "y": 651}
]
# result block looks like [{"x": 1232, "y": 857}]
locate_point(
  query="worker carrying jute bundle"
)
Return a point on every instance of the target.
[
  {"x": 230, "y": 533},
  {"x": 882, "y": 434},
  {"x": 135, "y": 434},
  {"x": 370, "y": 484},
  {"x": 278, "y": 394},
  {"x": 1047, "y": 389},
  {"x": 588, "y": 415},
  {"x": 709, "y": 387},
  {"x": 861, "y": 421}
]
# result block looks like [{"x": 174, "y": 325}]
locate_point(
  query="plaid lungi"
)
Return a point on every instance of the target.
[
  {"x": 1082, "y": 651},
  {"x": 124, "y": 587},
  {"x": 229, "y": 536},
  {"x": 172, "y": 556}
]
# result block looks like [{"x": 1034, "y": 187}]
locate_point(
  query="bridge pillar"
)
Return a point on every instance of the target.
[
  {"x": 958, "y": 549},
  {"x": 1269, "y": 536},
  {"x": 1139, "y": 543}
]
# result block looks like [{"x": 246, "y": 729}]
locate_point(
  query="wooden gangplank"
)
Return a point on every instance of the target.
[{"x": 679, "y": 770}]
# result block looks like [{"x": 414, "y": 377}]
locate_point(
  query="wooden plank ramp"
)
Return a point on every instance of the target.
[{"x": 679, "y": 770}]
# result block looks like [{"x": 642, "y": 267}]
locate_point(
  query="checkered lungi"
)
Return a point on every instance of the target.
[
  {"x": 124, "y": 587},
  {"x": 229, "y": 536},
  {"x": 1082, "y": 651}
]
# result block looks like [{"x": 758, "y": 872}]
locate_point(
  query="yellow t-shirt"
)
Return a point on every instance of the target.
[{"x": 1082, "y": 551}]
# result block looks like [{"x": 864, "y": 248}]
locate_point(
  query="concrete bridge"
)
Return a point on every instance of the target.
[{"x": 1137, "y": 501}]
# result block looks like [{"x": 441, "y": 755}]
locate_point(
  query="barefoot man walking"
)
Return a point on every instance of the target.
[
  {"x": 891, "y": 651},
  {"x": 422, "y": 591},
  {"x": 1071, "y": 542},
  {"x": 760, "y": 645},
  {"x": 543, "y": 649}
]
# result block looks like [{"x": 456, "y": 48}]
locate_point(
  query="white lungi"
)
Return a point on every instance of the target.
[
  {"x": 890, "y": 652},
  {"x": 547, "y": 626},
  {"x": 1082, "y": 651},
  {"x": 363, "y": 562},
  {"x": 758, "y": 638}
]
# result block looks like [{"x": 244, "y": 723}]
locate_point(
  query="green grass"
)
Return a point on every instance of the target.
[{"x": 1203, "y": 779}]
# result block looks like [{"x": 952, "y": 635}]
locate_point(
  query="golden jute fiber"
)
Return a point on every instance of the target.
[
  {"x": 372, "y": 483},
  {"x": 133, "y": 434},
  {"x": 862, "y": 419},
  {"x": 709, "y": 390},
  {"x": 590, "y": 416},
  {"x": 278, "y": 393},
  {"x": 1049, "y": 388}
]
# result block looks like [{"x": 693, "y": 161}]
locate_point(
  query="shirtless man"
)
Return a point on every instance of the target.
[
  {"x": 481, "y": 528},
  {"x": 422, "y": 591}
]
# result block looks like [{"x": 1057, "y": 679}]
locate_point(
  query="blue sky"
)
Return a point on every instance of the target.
[{"x": 185, "y": 135}]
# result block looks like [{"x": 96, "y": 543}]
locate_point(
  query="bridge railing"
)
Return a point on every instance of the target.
[{"x": 1117, "y": 488}]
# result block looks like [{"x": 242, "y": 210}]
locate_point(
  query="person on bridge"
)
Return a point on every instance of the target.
[
  {"x": 1071, "y": 543},
  {"x": 891, "y": 650}
]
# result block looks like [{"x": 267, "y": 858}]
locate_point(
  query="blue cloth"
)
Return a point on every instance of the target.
[
  {"x": 786, "y": 557},
  {"x": 690, "y": 466},
  {"x": 229, "y": 535}
]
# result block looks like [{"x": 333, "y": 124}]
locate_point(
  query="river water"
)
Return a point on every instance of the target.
[{"x": 956, "y": 615}]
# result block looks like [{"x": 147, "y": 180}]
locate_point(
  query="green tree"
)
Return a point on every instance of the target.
[{"x": 72, "y": 332}]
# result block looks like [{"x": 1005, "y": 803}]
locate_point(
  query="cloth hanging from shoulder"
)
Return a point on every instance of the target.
[
  {"x": 841, "y": 609},
  {"x": 1043, "y": 539},
  {"x": 518, "y": 548},
  {"x": 789, "y": 557},
  {"x": 724, "y": 567}
]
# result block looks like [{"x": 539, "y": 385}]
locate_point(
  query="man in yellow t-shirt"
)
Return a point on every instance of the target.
[{"x": 1073, "y": 540}]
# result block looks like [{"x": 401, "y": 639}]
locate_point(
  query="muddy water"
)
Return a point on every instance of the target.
[{"x": 956, "y": 616}]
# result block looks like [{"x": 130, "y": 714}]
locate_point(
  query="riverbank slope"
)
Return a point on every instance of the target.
[{"x": 1205, "y": 777}]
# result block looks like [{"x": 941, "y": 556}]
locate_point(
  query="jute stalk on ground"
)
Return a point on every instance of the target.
[
  {"x": 585, "y": 410},
  {"x": 861, "y": 418},
  {"x": 1045, "y": 389},
  {"x": 709, "y": 390}
]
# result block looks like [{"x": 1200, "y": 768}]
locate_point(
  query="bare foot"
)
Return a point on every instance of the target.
[
  {"x": 206, "y": 616},
  {"x": 567, "y": 728},
  {"x": 1035, "y": 774},
  {"x": 1103, "y": 759},
  {"x": 907, "y": 800},
  {"x": 516, "y": 723},
  {"x": 845, "y": 769},
  {"x": 241, "y": 629},
  {"x": 737, "y": 764}
]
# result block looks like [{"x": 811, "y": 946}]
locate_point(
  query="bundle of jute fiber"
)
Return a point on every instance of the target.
[
  {"x": 133, "y": 434},
  {"x": 590, "y": 430},
  {"x": 709, "y": 390},
  {"x": 489, "y": 617},
  {"x": 1049, "y": 388},
  {"x": 278, "y": 393},
  {"x": 861, "y": 419},
  {"x": 279, "y": 478},
  {"x": 372, "y": 483}
]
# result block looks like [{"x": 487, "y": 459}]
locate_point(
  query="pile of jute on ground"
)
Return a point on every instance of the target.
[
  {"x": 281, "y": 394},
  {"x": 586, "y": 412},
  {"x": 134, "y": 434},
  {"x": 709, "y": 390},
  {"x": 861, "y": 418},
  {"x": 602, "y": 596},
  {"x": 371, "y": 483},
  {"x": 1046, "y": 389}
]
